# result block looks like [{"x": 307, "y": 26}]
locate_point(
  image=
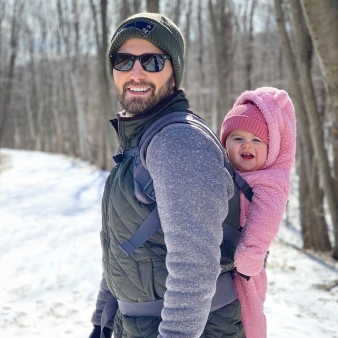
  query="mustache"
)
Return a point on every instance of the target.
[{"x": 139, "y": 83}]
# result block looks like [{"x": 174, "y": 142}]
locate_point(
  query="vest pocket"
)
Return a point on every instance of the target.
[{"x": 147, "y": 277}]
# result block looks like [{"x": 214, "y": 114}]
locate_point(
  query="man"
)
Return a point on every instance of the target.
[{"x": 180, "y": 263}]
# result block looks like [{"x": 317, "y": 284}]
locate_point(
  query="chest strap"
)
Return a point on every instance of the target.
[
  {"x": 149, "y": 226},
  {"x": 224, "y": 295}
]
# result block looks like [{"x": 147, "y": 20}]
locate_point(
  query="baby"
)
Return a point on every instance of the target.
[{"x": 259, "y": 137}]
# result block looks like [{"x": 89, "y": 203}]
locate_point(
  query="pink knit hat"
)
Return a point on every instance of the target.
[{"x": 246, "y": 117}]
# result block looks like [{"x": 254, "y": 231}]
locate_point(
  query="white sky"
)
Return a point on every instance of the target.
[{"x": 50, "y": 256}]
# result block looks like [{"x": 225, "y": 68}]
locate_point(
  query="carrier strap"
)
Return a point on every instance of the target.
[
  {"x": 231, "y": 235},
  {"x": 149, "y": 226},
  {"x": 152, "y": 224},
  {"x": 119, "y": 157},
  {"x": 224, "y": 295},
  {"x": 243, "y": 186},
  {"x": 108, "y": 312},
  {"x": 175, "y": 117}
]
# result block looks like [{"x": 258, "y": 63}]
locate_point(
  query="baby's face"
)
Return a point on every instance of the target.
[{"x": 246, "y": 151}]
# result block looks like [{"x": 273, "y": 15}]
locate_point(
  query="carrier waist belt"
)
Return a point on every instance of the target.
[{"x": 224, "y": 295}]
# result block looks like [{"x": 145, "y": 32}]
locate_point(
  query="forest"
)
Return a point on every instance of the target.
[{"x": 57, "y": 96}]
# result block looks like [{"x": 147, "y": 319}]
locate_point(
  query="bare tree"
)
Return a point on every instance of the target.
[
  {"x": 108, "y": 145},
  {"x": 249, "y": 42},
  {"x": 153, "y": 6},
  {"x": 187, "y": 41},
  {"x": 84, "y": 151},
  {"x": 2, "y": 19},
  {"x": 125, "y": 10},
  {"x": 221, "y": 14},
  {"x": 321, "y": 19},
  {"x": 14, "y": 40},
  {"x": 137, "y": 6},
  {"x": 304, "y": 58},
  {"x": 306, "y": 147}
]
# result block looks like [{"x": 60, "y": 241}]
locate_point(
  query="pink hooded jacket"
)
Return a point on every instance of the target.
[{"x": 261, "y": 217}]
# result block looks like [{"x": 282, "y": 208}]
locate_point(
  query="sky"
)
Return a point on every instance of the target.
[{"x": 50, "y": 256}]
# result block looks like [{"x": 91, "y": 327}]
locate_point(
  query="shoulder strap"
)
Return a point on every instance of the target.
[
  {"x": 175, "y": 117},
  {"x": 142, "y": 180},
  {"x": 185, "y": 117}
]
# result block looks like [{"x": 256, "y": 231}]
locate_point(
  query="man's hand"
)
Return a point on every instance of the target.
[{"x": 97, "y": 332}]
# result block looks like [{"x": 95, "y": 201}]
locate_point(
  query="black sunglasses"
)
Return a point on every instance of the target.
[{"x": 150, "y": 62}]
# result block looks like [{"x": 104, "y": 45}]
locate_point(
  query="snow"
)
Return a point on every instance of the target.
[{"x": 50, "y": 256}]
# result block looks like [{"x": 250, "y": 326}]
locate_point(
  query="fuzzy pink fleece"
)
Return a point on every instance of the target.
[{"x": 261, "y": 217}]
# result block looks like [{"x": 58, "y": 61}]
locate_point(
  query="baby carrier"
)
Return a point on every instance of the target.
[{"x": 144, "y": 192}]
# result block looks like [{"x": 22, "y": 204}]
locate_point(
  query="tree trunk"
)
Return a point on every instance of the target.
[
  {"x": 16, "y": 16},
  {"x": 321, "y": 18},
  {"x": 203, "y": 96},
  {"x": 322, "y": 21},
  {"x": 82, "y": 132},
  {"x": 304, "y": 57},
  {"x": 106, "y": 92},
  {"x": 305, "y": 137},
  {"x": 2, "y": 17},
  {"x": 187, "y": 43},
  {"x": 153, "y": 6},
  {"x": 137, "y": 6},
  {"x": 125, "y": 10},
  {"x": 311, "y": 237},
  {"x": 109, "y": 144},
  {"x": 220, "y": 17},
  {"x": 249, "y": 47}
]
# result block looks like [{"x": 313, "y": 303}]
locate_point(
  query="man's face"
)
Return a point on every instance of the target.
[{"x": 139, "y": 90}]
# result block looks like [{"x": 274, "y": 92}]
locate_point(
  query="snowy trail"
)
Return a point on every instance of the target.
[{"x": 50, "y": 257}]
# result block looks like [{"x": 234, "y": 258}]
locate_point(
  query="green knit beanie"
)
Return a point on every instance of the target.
[{"x": 160, "y": 31}]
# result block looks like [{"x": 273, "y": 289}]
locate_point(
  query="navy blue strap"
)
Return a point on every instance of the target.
[
  {"x": 125, "y": 154},
  {"x": 224, "y": 295},
  {"x": 243, "y": 186},
  {"x": 149, "y": 226},
  {"x": 175, "y": 117},
  {"x": 108, "y": 312},
  {"x": 142, "y": 309},
  {"x": 230, "y": 234},
  {"x": 225, "y": 292}
]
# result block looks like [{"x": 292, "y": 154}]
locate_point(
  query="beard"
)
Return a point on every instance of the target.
[{"x": 138, "y": 105}]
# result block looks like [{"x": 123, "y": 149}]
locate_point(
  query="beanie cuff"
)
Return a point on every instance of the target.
[{"x": 245, "y": 123}]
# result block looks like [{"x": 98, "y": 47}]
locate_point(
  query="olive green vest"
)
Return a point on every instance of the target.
[{"x": 141, "y": 276}]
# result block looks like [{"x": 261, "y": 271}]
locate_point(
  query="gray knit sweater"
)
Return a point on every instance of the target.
[{"x": 192, "y": 191}]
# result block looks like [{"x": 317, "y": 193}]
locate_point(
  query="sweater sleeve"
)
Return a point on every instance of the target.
[
  {"x": 192, "y": 190},
  {"x": 103, "y": 295},
  {"x": 271, "y": 191}
]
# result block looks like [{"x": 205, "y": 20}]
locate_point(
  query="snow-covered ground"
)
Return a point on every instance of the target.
[{"x": 50, "y": 257}]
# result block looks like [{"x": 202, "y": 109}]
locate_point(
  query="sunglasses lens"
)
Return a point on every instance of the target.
[
  {"x": 122, "y": 62},
  {"x": 153, "y": 62},
  {"x": 150, "y": 62}
]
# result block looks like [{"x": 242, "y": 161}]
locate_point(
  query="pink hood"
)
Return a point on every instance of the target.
[
  {"x": 271, "y": 184},
  {"x": 279, "y": 114}
]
